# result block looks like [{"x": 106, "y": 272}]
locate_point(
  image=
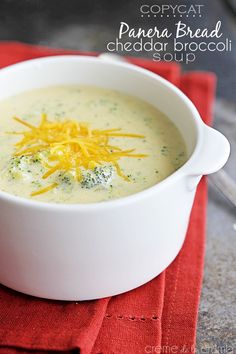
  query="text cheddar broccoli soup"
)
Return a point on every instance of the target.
[{"x": 81, "y": 144}]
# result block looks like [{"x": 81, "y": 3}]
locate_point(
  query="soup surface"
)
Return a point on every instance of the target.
[{"x": 82, "y": 144}]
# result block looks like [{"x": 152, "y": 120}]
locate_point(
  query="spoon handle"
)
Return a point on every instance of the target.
[{"x": 225, "y": 184}]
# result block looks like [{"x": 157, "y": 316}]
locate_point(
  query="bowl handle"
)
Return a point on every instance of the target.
[
  {"x": 214, "y": 152},
  {"x": 212, "y": 156}
]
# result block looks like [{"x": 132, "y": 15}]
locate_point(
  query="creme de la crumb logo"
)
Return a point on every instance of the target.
[
  {"x": 186, "y": 349},
  {"x": 180, "y": 42}
]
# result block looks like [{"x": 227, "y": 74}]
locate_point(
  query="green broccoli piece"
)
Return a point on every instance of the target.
[
  {"x": 18, "y": 165},
  {"x": 23, "y": 166},
  {"x": 99, "y": 176},
  {"x": 66, "y": 180}
]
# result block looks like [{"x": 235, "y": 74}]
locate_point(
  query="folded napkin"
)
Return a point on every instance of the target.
[{"x": 158, "y": 316}]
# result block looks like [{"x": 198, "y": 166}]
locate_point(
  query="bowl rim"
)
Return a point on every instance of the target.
[{"x": 129, "y": 199}]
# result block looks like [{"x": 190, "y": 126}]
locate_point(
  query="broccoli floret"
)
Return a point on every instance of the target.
[
  {"x": 18, "y": 165},
  {"x": 23, "y": 166},
  {"x": 66, "y": 181},
  {"x": 99, "y": 176},
  {"x": 66, "y": 178}
]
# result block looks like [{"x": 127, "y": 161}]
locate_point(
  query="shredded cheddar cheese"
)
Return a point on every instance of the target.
[
  {"x": 44, "y": 190},
  {"x": 72, "y": 146}
]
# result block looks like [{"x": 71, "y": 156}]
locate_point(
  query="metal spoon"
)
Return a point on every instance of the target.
[{"x": 225, "y": 184}]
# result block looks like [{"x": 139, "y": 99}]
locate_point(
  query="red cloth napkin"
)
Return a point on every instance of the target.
[{"x": 159, "y": 316}]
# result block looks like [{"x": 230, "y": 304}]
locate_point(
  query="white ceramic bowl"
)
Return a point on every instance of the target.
[{"x": 82, "y": 252}]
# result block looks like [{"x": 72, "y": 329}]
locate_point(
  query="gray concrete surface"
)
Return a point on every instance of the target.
[
  {"x": 89, "y": 25},
  {"x": 217, "y": 318}
]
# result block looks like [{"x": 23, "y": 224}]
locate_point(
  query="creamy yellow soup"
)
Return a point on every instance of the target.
[{"x": 138, "y": 144}]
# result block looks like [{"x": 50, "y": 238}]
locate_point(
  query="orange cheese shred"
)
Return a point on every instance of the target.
[
  {"x": 72, "y": 146},
  {"x": 44, "y": 190}
]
